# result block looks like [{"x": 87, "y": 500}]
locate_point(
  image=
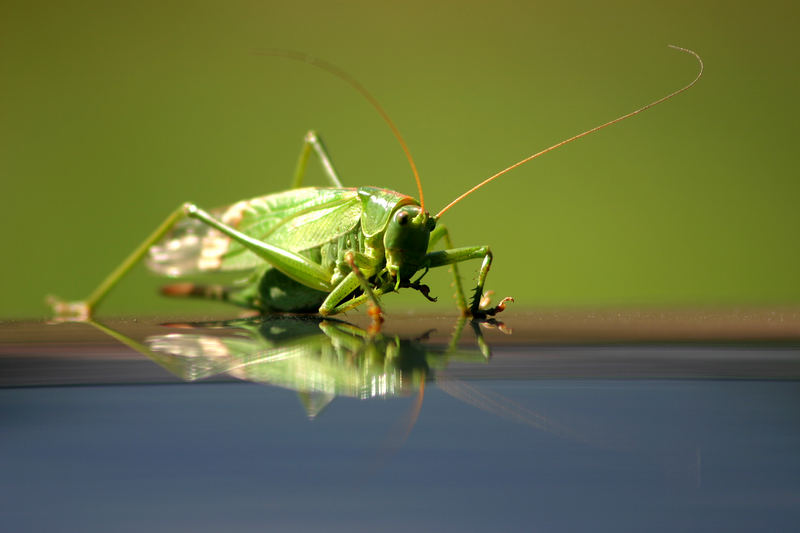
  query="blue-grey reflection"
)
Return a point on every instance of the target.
[{"x": 320, "y": 359}]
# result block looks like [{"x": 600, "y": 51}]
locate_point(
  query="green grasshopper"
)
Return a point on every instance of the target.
[{"x": 323, "y": 249}]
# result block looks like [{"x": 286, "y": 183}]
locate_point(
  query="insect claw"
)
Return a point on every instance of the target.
[
  {"x": 502, "y": 305},
  {"x": 424, "y": 289},
  {"x": 483, "y": 310}
]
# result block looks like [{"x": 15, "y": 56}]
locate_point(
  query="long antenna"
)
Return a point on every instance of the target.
[
  {"x": 584, "y": 134},
  {"x": 345, "y": 77}
]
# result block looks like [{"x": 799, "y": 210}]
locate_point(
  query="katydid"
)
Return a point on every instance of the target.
[{"x": 323, "y": 249}]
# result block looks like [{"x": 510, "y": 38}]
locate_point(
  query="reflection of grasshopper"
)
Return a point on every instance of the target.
[{"x": 320, "y": 359}]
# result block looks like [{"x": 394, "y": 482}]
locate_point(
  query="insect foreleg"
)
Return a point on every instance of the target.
[
  {"x": 441, "y": 232},
  {"x": 299, "y": 268},
  {"x": 313, "y": 141},
  {"x": 82, "y": 310},
  {"x": 457, "y": 255}
]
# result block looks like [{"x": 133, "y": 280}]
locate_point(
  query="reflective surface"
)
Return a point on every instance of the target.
[{"x": 538, "y": 437}]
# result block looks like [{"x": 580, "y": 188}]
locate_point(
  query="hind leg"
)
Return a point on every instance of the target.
[
  {"x": 82, "y": 310},
  {"x": 312, "y": 141}
]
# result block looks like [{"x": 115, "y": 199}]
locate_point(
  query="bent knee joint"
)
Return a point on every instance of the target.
[{"x": 190, "y": 209}]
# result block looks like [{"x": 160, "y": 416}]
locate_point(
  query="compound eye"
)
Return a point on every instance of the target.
[{"x": 402, "y": 218}]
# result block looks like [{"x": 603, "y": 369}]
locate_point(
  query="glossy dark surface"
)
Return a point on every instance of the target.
[{"x": 554, "y": 437}]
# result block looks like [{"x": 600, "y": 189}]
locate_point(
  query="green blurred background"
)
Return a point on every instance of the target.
[{"x": 111, "y": 115}]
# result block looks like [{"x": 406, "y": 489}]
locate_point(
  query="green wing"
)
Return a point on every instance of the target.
[{"x": 296, "y": 220}]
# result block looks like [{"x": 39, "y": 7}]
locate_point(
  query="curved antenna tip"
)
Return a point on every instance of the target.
[{"x": 585, "y": 133}]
